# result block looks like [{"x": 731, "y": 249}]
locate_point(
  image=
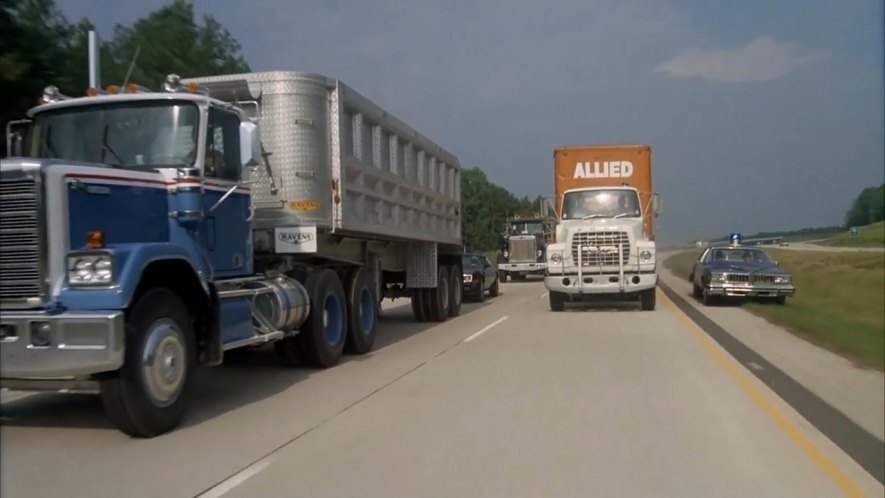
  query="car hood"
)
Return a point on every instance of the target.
[
  {"x": 735, "y": 266},
  {"x": 472, "y": 267}
]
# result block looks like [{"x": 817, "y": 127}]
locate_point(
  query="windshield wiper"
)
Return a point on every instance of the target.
[
  {"x": 47, "y": 142},
  {"x": 105, "y": 147},
  {"x": 621, "y": 215},
  {"x": 594, "y": 215}
]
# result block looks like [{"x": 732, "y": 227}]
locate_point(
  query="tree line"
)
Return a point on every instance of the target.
[
  {"x": 40, "y": 47},
  {"x": 868, "y": 207}
]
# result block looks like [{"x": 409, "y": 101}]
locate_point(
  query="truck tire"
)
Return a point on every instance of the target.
[
  {"x": 149, "y": 394},
  {"x": 438, "y": 297},
  {"x": 647, "y": 299},
  {"x": 323, "y": 335},
  {"x": 418, "y": 304},
  {"x": 557, "y": 301},
  {"x": 457, "y": 291},
  {"x": 361, "y": 311}
]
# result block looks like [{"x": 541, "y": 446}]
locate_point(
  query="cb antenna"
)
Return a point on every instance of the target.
[{"x": 131, "y": 66}]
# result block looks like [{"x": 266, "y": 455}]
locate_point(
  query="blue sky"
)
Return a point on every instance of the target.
[{"x": 761, "y": 115}]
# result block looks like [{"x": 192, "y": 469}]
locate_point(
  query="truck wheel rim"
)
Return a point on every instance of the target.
[
  {"x": 367, "y": 310},
  {"x": 332, "y": 323},
  {"x": 164, "y": 362}
]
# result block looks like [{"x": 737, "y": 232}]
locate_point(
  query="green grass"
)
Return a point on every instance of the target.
[
  {"x": 868, "y": 236},
  {"x": 838, "y": 302}
]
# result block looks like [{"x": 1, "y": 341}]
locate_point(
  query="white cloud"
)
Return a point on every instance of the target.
[{"x": 763, "y": 59}]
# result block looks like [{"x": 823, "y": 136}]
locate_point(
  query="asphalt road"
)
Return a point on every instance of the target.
[{"x": 507, "y": 400}]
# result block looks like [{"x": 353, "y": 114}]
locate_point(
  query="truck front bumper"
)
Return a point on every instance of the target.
[
  {"x": 523, "y": 267},
  {"x": 39, "y": 346},
  {"x": 749, "y": 290},
  {"x": 601, "y": 283}
]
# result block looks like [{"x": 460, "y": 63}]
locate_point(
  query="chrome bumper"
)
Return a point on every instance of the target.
[
  {"x": 526, "y": 267},
  {"x": 600, "y": 283},
  {"x": 80, "y": 344},
  {"x": 745, "y": 290}
]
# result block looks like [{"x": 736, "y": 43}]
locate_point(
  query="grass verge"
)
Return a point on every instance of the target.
[
  {"x": 838, "y": 302},
  {"x": 868, "y": 236}
]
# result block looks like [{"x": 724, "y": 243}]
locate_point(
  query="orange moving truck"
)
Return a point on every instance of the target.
[{"x": 605, "y": 207}]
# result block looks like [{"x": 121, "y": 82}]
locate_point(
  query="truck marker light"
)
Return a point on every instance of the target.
[
  {"x": 95, "y": 239},
  {"x": 112, "y": 89}
]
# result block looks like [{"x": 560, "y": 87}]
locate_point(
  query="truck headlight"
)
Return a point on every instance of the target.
[
  {"x": 555, "y": 257},
  {"x": 783, "y": 280},
  {"x": 540, "y": 253},
  {"x": 506, "y": 254},
  {"x": 646, "y": 255},
  {"x": 717, "y": 277},
  {"x": 90, "y": 269}
]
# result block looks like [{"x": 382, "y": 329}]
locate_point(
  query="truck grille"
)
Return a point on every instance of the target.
[
  {"x": 20, "y": 275},
  {"x": 737, "y": 277},
  {"x": 522, "y": 249},
  {"x": 600, "y": 248}
]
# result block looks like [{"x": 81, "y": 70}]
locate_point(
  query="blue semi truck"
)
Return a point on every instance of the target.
[{"x": 146, "y": 233}]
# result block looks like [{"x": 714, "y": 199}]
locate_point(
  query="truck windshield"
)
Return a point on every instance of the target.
[
  {"x": 526, "y": 228},
  {"x": 601, "y": 204},
  {"x": 131, "y": 135}
]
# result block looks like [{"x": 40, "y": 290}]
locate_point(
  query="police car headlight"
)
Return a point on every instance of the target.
[
  {"x": 646, "y": 255},
  {"x": 468, "y": 277},
  {"x": 90, "y": 269},
  {"x": 717, "y": 277},
  {"x": 783, "y": 280}
]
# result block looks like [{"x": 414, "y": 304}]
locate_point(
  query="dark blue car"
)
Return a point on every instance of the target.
[{"x": 744, "y": 272}]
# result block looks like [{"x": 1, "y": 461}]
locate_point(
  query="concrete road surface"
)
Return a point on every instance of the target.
[{"x": 507, "y": 400}]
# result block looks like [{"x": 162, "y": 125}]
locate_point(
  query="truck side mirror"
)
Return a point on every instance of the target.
[
  {"x": 15, "y": 137},
  {"x": 250, "y": 145},
  {"x": 656, "y": 204}
]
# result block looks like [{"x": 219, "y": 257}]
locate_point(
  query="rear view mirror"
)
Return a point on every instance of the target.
[
  {"x": 250, "y": 145},
  {"x": 656, "y": 204}
]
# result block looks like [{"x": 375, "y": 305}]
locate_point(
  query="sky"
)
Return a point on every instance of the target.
[{"x": 761, "y": 115}]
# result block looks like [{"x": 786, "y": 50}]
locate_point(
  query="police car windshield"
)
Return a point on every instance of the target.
[
  {"x": 131, "y": 135},
  {"x": 601, "y": 204},
  {"x": 739, "y": 255}
]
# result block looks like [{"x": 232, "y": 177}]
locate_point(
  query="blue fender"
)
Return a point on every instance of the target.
[{"x": 129, "y": 263}]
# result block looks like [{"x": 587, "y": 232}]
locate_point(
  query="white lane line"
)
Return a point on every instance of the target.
[
  {"x": 542, "y": 296},
  {"x": 486, "y": 328},
  {"x": 235, "y": 480}
]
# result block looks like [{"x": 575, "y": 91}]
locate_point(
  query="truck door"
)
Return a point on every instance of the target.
[{"x": 226, "y": 232}]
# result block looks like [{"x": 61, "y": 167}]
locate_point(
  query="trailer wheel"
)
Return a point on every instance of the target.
[
  {"x": 438, "y": 297},
  {"x": 363, "y": 317},
  {"x": 457, "y": 290},
  {"x": 418, "y": 304},
  {"x": 149, "y": 395},
  {"x": 557, "y": 301},
  {"x": 647, "y": 299},
  {"x": 325, "y": 331}
]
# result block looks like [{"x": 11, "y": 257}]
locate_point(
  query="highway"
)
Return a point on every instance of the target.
[{"x": 508, "y": 399}]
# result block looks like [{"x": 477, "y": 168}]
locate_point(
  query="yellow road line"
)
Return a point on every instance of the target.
[{"x": 848, "y": 487}]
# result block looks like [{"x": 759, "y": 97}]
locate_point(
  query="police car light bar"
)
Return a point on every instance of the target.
[{"x": 735, "y": 239}]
